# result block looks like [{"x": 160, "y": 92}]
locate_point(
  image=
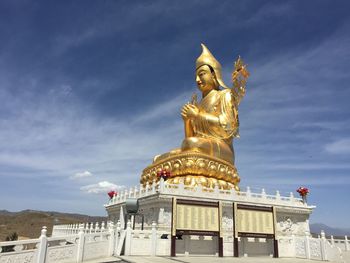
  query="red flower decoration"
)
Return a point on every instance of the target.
[
  {"x": 303, "y": 191},
  {"x": 163, "y": 174},
  {"x": 112, "y": 193}
]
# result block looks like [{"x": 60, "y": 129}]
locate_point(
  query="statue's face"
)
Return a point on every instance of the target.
[{"x": 205, "y": 79}]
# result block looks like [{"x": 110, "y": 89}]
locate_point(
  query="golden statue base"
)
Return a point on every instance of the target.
[{"x": 194, "y": 168}]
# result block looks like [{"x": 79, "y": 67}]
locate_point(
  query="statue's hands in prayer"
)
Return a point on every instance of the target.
[{"x": 189, "y": 111}]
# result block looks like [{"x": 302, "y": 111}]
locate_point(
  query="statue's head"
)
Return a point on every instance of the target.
[
  {"x": 206, "y": 79},
  {"x": 208, "y": 61}
]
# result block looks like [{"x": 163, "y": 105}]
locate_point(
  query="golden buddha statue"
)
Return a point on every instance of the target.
[{"x": 206, "y": 156}]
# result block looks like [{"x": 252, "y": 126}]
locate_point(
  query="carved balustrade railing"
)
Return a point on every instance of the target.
[
  {"x": 180, "y": 189},
  {"x": 86, "y": 246},
  {"x": 72, "y": 229},
  {"x": 72, "y": 247},
  {"x": 343, "y": 244}
]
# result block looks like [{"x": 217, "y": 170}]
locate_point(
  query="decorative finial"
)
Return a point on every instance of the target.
[{"x": 44, "y": 231}]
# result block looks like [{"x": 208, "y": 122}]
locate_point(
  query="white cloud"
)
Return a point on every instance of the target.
[
  {"x": 101, "y": 187},
  {"x": 81, "y": 175},
  {"x": 341, "y": 146}
]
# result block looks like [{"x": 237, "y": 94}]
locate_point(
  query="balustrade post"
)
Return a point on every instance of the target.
[
  {"x": 42, "y": 246},
  {"x": 102, "y": 230},
  {"x": 181, "y": 186},
  {"x": 248, "y": 192},
  {"x": 278, "y": 195},
  {"x": 128, "y": 239},
  {"x": 121, "y": 217},
  {"x": 199, "y": 189},
  {"x": 135, "y": 192},
  {"x": 346, "y": 244},
  {"x": 117, "y": 237},
  {"x": 81, "y": 243},
  {"x": 146, "y": 190},
  {"x": 233, "y": 193},
  {"x": 323, "y": 245},
  {"x": 216, "y": 189},
  {"x": 141, "y": 192},
  {"x": 161, "y": 185},
  {"x": 97, "y": 228},
  {"x": 111, "y": 243},
  {"x": 154, "y": 239},
  {"x": 91, "y": 227},
  {"x": 54, "y": 231},
  {"x": 307, "y": 244},
  {"x": 291, "y": 196},
  {"x": 154, "y": 186},
  {"x": 332, "y": 240}
]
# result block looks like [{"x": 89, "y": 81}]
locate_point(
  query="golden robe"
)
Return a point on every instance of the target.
[{"x": 215, "y": 127}]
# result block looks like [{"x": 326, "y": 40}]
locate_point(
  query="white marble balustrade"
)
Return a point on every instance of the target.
[
  {"x": 73, "y": 247},
  {"x": 73, "y": 229},
  {"x": 343, "y": 244},
  {"x": 164, "y": 188},
  {"x": 85, "y": 246}
]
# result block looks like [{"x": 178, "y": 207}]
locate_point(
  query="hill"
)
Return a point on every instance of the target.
[
  {"x": 28, "y": 223},
  {"x": 316, "y": 228}
]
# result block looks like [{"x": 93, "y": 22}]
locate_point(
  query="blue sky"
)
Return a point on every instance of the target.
[{"x": 90, "y": 91}]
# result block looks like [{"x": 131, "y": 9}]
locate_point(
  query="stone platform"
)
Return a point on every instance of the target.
[{"x": 155, "y": 204}]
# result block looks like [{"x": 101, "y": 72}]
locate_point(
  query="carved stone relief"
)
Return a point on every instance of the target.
[
  {"x": 300, "y": 247},
  {"x": 23, "y": 258},
  {"x": 61, "y": 254},
  {"x": 291, "y": 224},
  {"x": 315, "y": 248},
  {"x": 227, "y": 218}
]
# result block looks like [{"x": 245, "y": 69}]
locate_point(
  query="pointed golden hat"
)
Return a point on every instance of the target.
[{"x": 207, "y": 58}]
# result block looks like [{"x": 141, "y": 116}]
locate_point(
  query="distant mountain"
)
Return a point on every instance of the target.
[
  {"x": 318, "y": 227},
  {"x": 28, "y": 223},
  {"x": 5, "y": 212}
]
